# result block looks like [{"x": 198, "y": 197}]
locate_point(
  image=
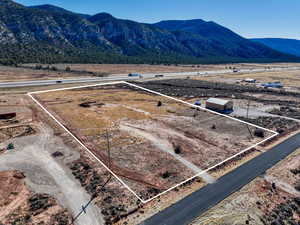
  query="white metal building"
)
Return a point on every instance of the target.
[{"x": 219, "y": 104}]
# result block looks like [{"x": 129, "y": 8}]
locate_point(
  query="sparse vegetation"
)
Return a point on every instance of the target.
[
  {"x": 178, "y": 149},
  {"x": 166, "y": 175},
  {"x": 259, "y": 133},
  {"x": 10, "y": 146}
]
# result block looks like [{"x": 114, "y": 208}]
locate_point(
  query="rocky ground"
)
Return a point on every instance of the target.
[{"x": 19, "y": 205}]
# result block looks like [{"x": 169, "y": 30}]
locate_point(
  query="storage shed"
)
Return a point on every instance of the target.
[{"x": 219, "y": 105}]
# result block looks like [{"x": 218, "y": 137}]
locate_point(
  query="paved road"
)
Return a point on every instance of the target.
[
  {"x": 186, "y": 210},
  {"x": 117, "y": 77}
]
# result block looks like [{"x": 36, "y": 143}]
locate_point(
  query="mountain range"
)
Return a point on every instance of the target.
[
  {"x": 50, "y": 34},
  {"x": 289, "y": 46}
]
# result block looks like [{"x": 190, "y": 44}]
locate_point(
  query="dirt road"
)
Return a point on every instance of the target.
[{"x": 44, "y": 174}]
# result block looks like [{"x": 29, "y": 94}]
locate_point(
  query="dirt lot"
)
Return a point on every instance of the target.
[
  {"x": 273, "y": 198},
  {"x": 19, "y": 205},
  {"x": 155, "y": 143}
]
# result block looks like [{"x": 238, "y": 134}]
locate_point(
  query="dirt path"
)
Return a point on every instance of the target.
[
  {"x": 32, "y": 155},
  {"x": 281, "y": 184},
  {"x": 166, "y": 146}
]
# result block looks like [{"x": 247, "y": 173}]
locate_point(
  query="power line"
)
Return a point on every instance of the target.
[{"x": 84, "y": 207}]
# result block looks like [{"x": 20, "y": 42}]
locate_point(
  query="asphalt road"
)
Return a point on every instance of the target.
[
  {"x": 189, "y": 208},
  {"x": 117, "y": 77}
]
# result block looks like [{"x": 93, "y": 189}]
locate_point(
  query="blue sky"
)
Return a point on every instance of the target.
[{"x": 250, "y": 18}]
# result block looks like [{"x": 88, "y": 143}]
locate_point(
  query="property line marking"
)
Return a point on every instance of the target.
[
  {"x": 196, "y": 106},
  {"x": 157, "y": 93}
]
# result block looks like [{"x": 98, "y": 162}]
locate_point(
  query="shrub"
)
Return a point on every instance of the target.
[
  {"x": 10, "y": 146},
  {"x": 259, "y": 133},
  {"x": 178, "y": 149},
  {"x": 166, "y": 175},
  {"x": 68, "y": 69},
  {"x": 53, "y": 68},
  {"x": 38, "y": 67},
  {"x": 159, "y": 103}
]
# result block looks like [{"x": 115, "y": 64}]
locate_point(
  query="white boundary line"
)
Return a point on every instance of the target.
[
  {"x": 195, "y": 106},
  {"x": 157, "y": 93}
]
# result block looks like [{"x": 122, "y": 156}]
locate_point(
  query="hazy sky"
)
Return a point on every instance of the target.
[{"x": 250, "y": 18}]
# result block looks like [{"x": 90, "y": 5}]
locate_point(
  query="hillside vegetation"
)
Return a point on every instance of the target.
[{"x": 50, "y": 34}]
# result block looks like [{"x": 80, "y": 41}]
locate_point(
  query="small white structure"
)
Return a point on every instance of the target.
[
  {"x": 250, "y": 80},
  {"x": 218, "y": 104}
]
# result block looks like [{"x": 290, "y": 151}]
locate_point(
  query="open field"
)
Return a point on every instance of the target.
[
  {"x": 21, "y": 74},
  {"x": 273, "y": 198},
  {"x": 146, "y": 68},
  {"x": 58, "y": 71},
  {"x": 154, "y": 147}
]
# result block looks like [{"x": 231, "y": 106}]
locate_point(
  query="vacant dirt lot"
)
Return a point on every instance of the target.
[
  {"x": 273, "y": 198},
  {"x": 155, "y": 143}
]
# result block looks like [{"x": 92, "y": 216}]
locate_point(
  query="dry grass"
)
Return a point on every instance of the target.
[
  {"x": 21, "y": 74},
  {"x": 141, "y": 106},
  {"x": 146, "y": 68}
]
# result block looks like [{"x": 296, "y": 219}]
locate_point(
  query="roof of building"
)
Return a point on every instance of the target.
[{"x": 218, "y": 101}]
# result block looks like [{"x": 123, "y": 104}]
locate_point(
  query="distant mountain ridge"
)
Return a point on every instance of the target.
[
  {"x": 289, "y": 46},
  {"x": 49, "y": 34},
  {"x": 52, "y": 8}
]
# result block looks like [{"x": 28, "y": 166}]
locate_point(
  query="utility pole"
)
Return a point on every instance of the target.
[
  {"x": 248, "y": 106},
  {"x": 108, "y": 148},
  {"x": 84, "y": 207}
]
